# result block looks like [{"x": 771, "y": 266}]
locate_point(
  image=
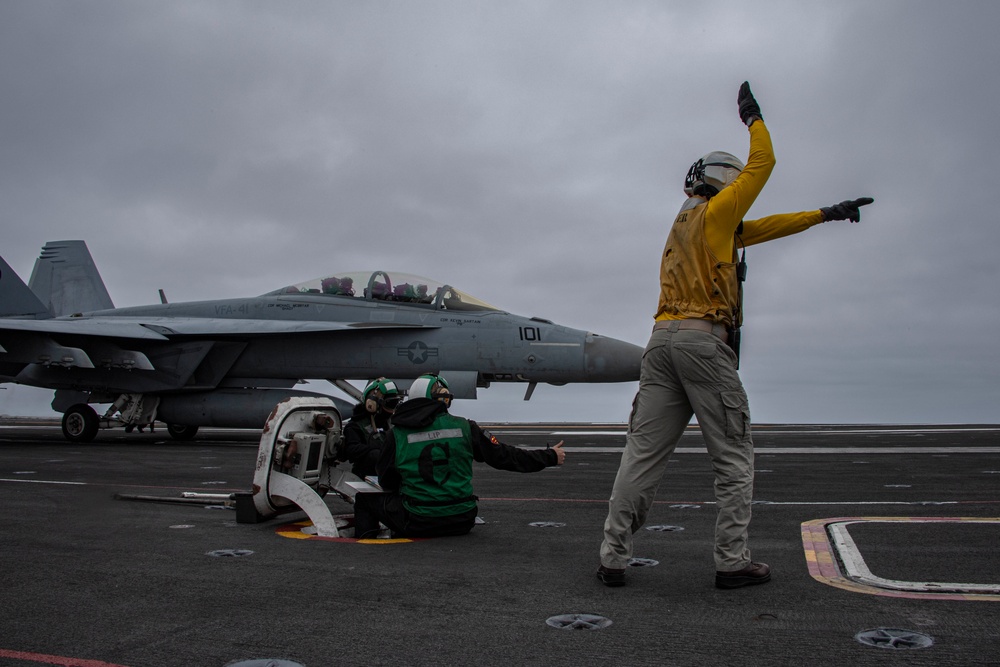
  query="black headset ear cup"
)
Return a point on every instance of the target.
[{"x": 371, "y": 405}]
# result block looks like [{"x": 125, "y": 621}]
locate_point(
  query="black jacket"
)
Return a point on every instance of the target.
[{"x": 362, "y": 444}]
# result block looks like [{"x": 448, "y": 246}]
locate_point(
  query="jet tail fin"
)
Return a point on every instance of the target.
[
  {"x": 67, "y": 281},
  {"x": 16, "y": 299}
]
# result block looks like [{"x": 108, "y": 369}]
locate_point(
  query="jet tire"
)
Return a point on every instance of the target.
[
  {"x": 80, "y": 423},
  {"x": 178, "y": 432}
]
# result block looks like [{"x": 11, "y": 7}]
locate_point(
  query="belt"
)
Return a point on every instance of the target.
[{"x": 717, "y": 330}]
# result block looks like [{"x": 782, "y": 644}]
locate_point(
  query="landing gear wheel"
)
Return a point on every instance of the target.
[
  {"x": 80, "y": 423},
  {"x": 178, "y": 432}
]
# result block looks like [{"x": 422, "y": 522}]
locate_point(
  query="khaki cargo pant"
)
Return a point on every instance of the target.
[{"x": 683, "y": 373}]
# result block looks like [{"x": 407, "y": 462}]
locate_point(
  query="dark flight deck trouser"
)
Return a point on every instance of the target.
[{"x": 372, "y": 508}]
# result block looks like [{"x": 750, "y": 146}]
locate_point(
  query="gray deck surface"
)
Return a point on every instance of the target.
[{"x": 93, "y": 581}]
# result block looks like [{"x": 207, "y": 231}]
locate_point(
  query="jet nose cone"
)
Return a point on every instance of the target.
[{"x": 611, "y": 360}]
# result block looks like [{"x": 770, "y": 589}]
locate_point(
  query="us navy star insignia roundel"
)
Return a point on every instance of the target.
[{"x": 417, "y": 352}]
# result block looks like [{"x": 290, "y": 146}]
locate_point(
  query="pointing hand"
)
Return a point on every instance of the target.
[{"x": 846, "y": 210}]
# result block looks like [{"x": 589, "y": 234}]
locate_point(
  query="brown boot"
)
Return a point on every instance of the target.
[
  {"x": 610, "y": 576},
  {"x": 752, "y": 574}
]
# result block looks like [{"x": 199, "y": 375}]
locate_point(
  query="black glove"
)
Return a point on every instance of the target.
[
  {"x": 846, "y": 210},
  {"x": 749, "y": 109}
]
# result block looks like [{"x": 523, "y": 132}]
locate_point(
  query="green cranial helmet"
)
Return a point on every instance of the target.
[{"x": 381, "y": 393}]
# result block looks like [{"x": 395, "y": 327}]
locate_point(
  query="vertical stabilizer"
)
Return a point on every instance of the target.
[
  {"x": 66, "y": 279},
  {"x": 16, "y": 300}
]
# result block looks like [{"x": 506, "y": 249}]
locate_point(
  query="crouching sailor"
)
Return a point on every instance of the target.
[{"x": 426, "y": 470}]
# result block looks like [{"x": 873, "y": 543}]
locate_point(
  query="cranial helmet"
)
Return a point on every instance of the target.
[
  {"x": 711, "y": 173},
  {"x": 381, "y": 393},
  {"x": 430, "y": 386}
]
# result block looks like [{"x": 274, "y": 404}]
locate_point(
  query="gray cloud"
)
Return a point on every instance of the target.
[{"x": 532, "y": 154}]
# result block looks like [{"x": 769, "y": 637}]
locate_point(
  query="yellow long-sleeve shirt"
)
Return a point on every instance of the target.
[{"x": 697, "y": 273}]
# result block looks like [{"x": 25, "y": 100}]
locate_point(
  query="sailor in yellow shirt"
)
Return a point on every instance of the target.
[{"x": 690, "y": 364}]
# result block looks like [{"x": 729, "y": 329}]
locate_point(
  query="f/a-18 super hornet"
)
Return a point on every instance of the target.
[{"x": 228, "y": 363}]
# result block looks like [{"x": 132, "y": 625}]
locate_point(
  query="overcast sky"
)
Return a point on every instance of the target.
[{"x": 533, "y": 154}]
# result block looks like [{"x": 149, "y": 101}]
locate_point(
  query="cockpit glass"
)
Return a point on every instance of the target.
[{"x": 390, "y": 287}]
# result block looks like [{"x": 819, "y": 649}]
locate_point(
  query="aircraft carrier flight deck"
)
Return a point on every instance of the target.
[{"x": 882, "y": 541}]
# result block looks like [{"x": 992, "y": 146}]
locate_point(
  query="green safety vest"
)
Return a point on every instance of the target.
[{"x": 436, "y": 467}]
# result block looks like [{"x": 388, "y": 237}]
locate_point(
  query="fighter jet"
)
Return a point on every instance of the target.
[{"x": 228, "y": 363}]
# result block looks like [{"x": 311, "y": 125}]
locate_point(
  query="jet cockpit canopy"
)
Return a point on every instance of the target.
[{"x": 401, "y": 288}]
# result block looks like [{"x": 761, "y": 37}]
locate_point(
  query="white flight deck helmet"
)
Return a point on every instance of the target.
[
  {"x": 711, "y": 173},
  {"x": 430, "y": 386}
]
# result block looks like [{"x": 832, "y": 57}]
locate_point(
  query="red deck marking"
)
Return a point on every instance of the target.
[{"x": 59, "y": 660}]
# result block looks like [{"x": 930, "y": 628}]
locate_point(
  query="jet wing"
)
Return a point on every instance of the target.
[
  {"x": 105, "y": 327},
  {"x": 130, "y": 342},
  {"x": 162, "y": 328},
  {"x": 197, "y": 326}
]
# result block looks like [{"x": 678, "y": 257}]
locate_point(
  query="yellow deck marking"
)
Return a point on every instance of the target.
[
  {"x": 820, "y": 551},
  {"x": 294, "y": 531}
]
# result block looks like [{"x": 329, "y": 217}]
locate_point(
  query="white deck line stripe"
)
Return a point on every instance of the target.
[
  {"x": 43, "y": 481},
  {"x": 756, "y": 431},
  {"x": 812, "y": 450}
]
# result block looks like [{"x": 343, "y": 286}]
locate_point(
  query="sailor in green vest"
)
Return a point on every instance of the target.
[{"x": 426, "y": 471}]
